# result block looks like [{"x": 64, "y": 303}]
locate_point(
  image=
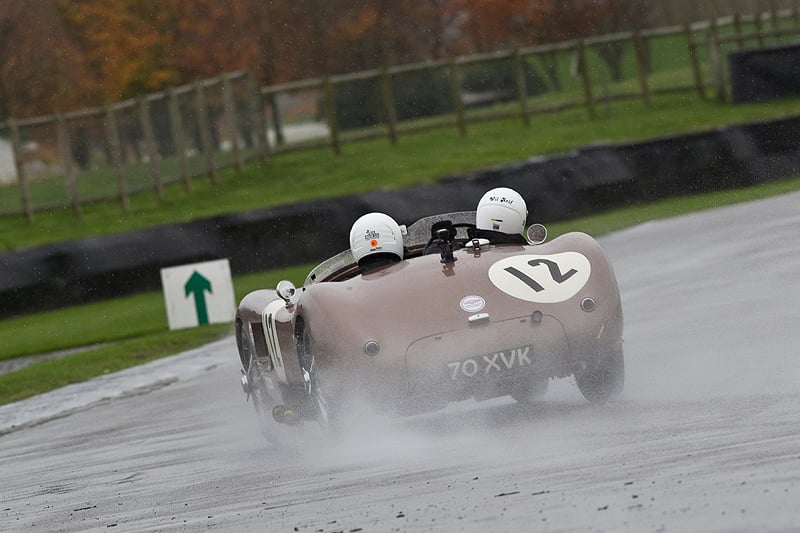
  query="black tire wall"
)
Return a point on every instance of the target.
[{"x": 585, "y": 181}]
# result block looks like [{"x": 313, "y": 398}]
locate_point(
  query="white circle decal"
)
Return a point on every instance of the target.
[
  {"x": 541, "y": 278},
  {"x": 472, "y": 303}
]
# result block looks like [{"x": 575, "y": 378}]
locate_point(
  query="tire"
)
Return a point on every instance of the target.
[
  {"x": 603, "y": 381},
  {"x": 317, "y": 400},
  {"x": 535, "y": 391},
  {"x": 244, "y": 344},
  {"x": 309, "y": 403}
]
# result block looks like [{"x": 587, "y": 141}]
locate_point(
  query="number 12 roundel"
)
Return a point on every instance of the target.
[{"x": 541, "y": 278}]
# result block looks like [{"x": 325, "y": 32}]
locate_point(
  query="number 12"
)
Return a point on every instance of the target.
[{"x": 552, "y": 266}]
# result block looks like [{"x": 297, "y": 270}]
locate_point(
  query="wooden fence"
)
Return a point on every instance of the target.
[
  {"x": 175, "y": 136},
  {"x": 677, "y": 12}
]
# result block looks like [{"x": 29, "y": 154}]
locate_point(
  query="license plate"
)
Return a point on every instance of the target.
[{"x": 493, "y": 363}]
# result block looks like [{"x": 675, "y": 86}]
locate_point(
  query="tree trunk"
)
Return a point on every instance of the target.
[
  {"x": 550, "y": 62},
  {"x": 611, "y": 54}
]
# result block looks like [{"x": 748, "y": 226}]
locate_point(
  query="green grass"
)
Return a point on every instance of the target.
[
  {"x": 123, "y": 318},
  {"x": 370, "y": 165},
  {"x": 55, "y": 373},
  {"x": 132, "y": 330},
  {"x": 118, "y": 334}
]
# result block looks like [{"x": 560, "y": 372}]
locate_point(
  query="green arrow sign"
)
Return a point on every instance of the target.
[{"x": 198, "y": 285}]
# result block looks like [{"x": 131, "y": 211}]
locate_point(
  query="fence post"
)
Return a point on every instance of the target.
[
  {"x": 259, "y": 125},
  {"x": 179, "y": 139},
  {"x": 387, "y": 98},
  {"x": 22, "y": 178},
  {"x": 696, "y": 72},
  {"x": 153, "y": 158},
  {"x": 775, "y": 22},
  {"x": 549, "y": 61},
  {"x": 641, "y": 62},
  {"x": 522, "y": 88},
  {"x": 716, "y": 12},
  {"x": 737, "y": 30},
  {"x": 69, "y": 168},
  {"x": 717, "y": 63},
  {"x": 205, "y": 131},
  {"x": 757, "y": 21},
  {"x": 455, "y": 92},
  {"x": 583, "y": 69},
  {"x": 796, "y": 14},
  {"x": 330, "y": 107},
  {"x": 229, "y": 105},
  {"x": 112, "y": 134},
  {"x": 277, "y": 119}
]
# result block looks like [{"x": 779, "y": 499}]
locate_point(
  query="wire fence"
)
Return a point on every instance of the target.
[{"x": 173, "y": 138}]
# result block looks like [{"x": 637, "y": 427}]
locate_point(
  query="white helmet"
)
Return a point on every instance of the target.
[
  {"x": 502, "y": 209},
  {"x": 375, "y": 233}
]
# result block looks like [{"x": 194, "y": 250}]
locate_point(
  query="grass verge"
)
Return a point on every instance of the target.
[
  {"x": 122, "y": 354},
  {"x": 370, "y": 165}
]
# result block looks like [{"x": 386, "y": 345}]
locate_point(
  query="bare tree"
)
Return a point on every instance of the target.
[
  {"x": 10, "y": 14},
  {"x": 621, "y": 15}
]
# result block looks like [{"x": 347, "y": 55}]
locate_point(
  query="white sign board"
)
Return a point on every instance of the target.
[{"x": 197, "y": 294}]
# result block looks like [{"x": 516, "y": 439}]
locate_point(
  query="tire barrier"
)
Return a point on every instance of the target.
[
  {"x": 764, "y": 74},
  {"x": 585, "y": 181}
]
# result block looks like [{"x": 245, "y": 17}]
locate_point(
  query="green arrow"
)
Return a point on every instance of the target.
[{"x": 198, "y": 285}]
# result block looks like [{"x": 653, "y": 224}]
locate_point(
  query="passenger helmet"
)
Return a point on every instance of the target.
[
  {"x": 502, "y": 209},
  {"x": 376, "y": 233}
]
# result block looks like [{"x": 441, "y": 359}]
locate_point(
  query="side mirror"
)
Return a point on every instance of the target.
[
  {"x": 536, "y": 234},
  {"x": 286, "y": 290}
]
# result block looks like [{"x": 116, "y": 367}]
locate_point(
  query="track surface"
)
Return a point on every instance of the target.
[{"x": 705, "y": 438}]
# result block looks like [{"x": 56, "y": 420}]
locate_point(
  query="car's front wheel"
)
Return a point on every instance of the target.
[
  {"x": 604, "y": 380},
  {"x": 316, "y": 399}
]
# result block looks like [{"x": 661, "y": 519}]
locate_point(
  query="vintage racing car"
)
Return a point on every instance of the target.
[{"x": 472, "y": 320}]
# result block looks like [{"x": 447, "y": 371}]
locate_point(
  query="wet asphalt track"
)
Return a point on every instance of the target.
[{"x": 705, "y": 438}]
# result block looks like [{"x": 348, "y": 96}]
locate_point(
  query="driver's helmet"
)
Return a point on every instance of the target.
[
  {"x": 502, "y": 209},
  {"x": 374, "y": 234}
]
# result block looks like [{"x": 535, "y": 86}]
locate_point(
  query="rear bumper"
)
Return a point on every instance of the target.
[{"x": 487, "y": 360}]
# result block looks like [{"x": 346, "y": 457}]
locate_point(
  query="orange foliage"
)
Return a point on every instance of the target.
[
  {"x": 493, "y": 24},
  {"x": 38, "y": 64},
  {"x": 75, "y": 53},
  {"x": 122, "y": 44}
]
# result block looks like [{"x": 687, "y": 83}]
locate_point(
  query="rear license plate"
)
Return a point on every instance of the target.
[{"x": 494, "y": 363}]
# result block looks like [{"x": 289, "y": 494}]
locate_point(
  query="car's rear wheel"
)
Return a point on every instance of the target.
[{"x": 605, "y": 380}]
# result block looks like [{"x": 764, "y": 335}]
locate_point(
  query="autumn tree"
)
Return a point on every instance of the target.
[
  {"x": 85, "y": 52},
  {"x": 123, "y": 45},
  {"x": 319, "y": 37},
  {"x": 499, "y": 24},
  {"x": 613, "y": 16},
  {"x": 9, "y": 18},
  {"x": 38, "y": 67},
  {"x": 493, "y": 24},
  {"x": 99, "y": 51},
  {"x": 386, "y": 32}
]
